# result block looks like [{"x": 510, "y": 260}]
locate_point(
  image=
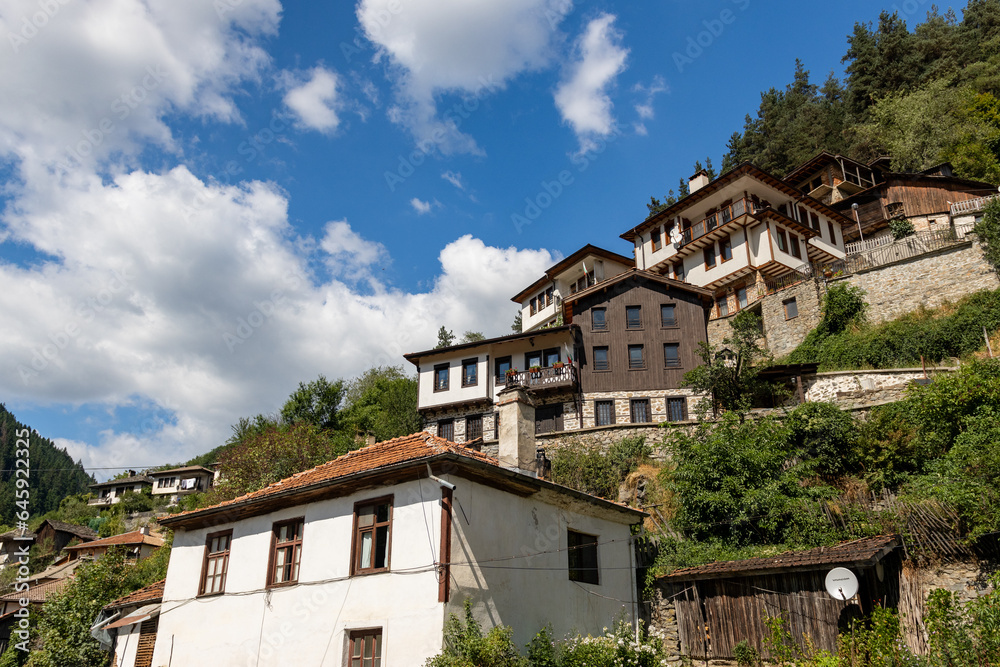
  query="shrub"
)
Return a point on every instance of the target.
[
  {"x": 466, "y": 646},
  {"x": 900, "y": 228},
  {"x": 587, "y": 469},
  {"x": 988, "y": 231},
  {"x": 823, "y": 435}
]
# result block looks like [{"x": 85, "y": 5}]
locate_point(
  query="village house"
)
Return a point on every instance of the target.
[
  {"x": 40, "y": 586},
  {"x": 127, "y": 627},
  {"x": 12, "y": 541},
  {"x": 54, "y": 536},
  {"x": 139, "y": 544},
  {"x": 361, "y": 560},
  {"x": 179, "y": 482},
  {"x": 111, "y": 492}
]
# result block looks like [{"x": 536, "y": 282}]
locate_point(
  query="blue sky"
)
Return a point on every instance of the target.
[{"x": 206, "y": 203}]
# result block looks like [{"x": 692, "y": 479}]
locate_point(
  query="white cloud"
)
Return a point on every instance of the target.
[
  {"x": 644, "y": 108},
  {"x": 421, "y": 207},
  {"x": 315, "y": 101},
  {"x": 455, "y": 178},
  {"x": 582, "y": 96},
  {"x": 467, "y": 48},
  {"x": 200, "y": 299}
]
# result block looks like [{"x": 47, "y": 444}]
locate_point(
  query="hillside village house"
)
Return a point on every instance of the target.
[
  {"x": 127, "y": 627},
  {"x": 360, "y": 561},
  {"x": 138, "y": 544},
  {"x": 178, "y": 482},
  {"x": 111, "y": 492}
]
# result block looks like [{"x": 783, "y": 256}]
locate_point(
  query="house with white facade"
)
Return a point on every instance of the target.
[
  {"x": 178, "y": 482},
  {"x": 111, "y": 492},
  {"x": 741, "y": 236},
  {"x": 127, "y": 627},
  {"x": 361, "y": 560}
]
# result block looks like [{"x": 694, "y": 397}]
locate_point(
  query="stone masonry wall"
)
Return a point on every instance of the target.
[{"x": 858, "y": 389}]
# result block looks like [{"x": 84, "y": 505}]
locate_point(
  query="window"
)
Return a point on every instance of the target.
[
  {"x": 672, "y": 355},
  {"x": 286, "y": 552},
  {"x": 446, "y": 429},
  {"x": 793, "y": 241},
  {"x": 676, "y": 409},
  {"x": 833, "y": 234},
  {"x": 532, "y": 359},
  {"x": 791, "y": 308},
  {"x": 741, "y": 296},
  {"x": 814, "y": 220},
  {"x": 639, "y": 411},
  {"x": 723, "y": 304},
  {"x": 441, "y": 377},
  {"x": 599, "y": 319},
  {"x": 366, "y": 648},
  {"x": 782, "y": 242},
  {"x": 668, "y": 315},
  {"x": 710, "y": 256},
  {"x": 473, "y": 427},
  {"x": 549, "y": 418},
  {"x": 470, "y": 372},
  {"x": 582, "y": 551},
  {"x": 372, "y": 521},
  {"x": 633, "y": 317},
  {"x": 894, "y": 209},
  {"x": 550, "y": 357},
  {"x": 501, "y": 366},
  {"x": 679, "y": 271},
  {"x": 655, "y": 238},
  {"x": 548, "y": 297},
  {"x": 601, "y": 362},
  {"x": 636, "y": 361},
  {"x": 533, "y": 305},
  {"x": 726, "y": 249},
  {"x": 604, "y": 413},
  {"x": 213, "y": 570}
]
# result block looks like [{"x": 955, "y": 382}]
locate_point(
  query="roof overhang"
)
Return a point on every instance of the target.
[
  {"x": 640, "y": 274},
  {"x": 415, "y": 357},
  {"x": 138, "y": 616},
  {"x": 564, "y": 264}
]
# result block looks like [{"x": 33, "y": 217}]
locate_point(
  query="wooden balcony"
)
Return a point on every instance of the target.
[
  {"x": 543, "y": 379},
  {"x": 720, "y": 218}
]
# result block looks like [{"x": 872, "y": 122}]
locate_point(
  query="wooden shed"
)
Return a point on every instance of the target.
[{"x": 720, "y": 604}]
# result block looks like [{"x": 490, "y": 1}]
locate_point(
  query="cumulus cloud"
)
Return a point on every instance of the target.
[
  {"x": 437, "y": 47},
  {"x": 314, "y": 101},
  {"x": 644, "y": 107},
  {"x": 421, "y": 207},
  {"x": 582, "y": 96}
]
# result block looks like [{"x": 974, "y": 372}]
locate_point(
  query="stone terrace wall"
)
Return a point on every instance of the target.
[{"x": 859, "y": 389}]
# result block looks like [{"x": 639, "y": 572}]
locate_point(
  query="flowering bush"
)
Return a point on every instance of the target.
[{"x": 618, "y": 648}]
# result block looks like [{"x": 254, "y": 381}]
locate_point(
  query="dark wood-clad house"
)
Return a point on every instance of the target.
[{"x": 720, "y": 604}]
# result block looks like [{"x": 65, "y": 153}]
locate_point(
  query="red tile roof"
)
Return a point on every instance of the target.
[
  {"x": 381, "y": 455},
  {"x": 151, "y": 593},
  {"x": 135, "y": 537},
  {"x": 38, "y": 592},
  {"x": 866, "y": 551}
]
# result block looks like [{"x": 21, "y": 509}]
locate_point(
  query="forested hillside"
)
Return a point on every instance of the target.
[
  {"x": 54, "y": 474},
  {"x": 922, "y": 96}
]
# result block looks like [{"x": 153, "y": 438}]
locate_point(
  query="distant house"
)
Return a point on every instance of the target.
[
  {"x": 59, "y": 534},
  {"x": 139, "y": 543},
  {"x": 111, "y": 492},
  {"x": 721, "y": 604},
  {"x": 127, "y": 627},
  {"x": 12, "y": 541},
  {"x": 359, "y": 561},
  {"x": 178, "y": 482},
  {"x": 40, "y": 586}
]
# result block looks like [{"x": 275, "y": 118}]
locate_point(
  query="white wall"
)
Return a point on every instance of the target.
[
  {"x": 127, "y": 644},
  {"x": 456, "y": 392},
  {"x": 526, "y": 585},
  {"x": 308, "y": 624}
]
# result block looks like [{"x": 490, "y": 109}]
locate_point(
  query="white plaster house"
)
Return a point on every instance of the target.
[
  {"x": 127, "y": 627},
  {"x": 740, "y": 236},
  {"x": 178, "y": 482},
  {"x": 111, "y": 492},
  {"x": 541, "y": 302},
  {"x": 361, "y": 560}
]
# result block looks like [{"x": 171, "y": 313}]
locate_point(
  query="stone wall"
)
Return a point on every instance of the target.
[
  {"x": 860, "y": 389},
  {"x": 782, "y": 334},
  {"x": 663, "y": 624},
  {"x": 929, "y": 281}
]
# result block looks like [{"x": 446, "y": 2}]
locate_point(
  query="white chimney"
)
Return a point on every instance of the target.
[
  {"x": 517, "y": 429},
  {"x": 698, "y": 181}
]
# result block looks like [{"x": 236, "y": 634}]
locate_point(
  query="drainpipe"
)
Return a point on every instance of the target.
[{"x": 854, "y": 207}]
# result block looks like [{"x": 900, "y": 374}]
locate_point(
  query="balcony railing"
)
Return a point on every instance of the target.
[
  {"x": 971, "y": 205},
  {"x": 723, "y": 216},
  {"x": 545, "y": 378}
]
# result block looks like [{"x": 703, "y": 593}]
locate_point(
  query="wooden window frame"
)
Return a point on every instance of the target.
[
  {"x": 575, "y": 569},
  {"x": 745, "y": 301},
  {"x": 502, "y": 377},
  {"x": 725, "y": 245},
  {"x": 611, "y": 413},
  {"x": 474, "y": 364},
  {"x": 656, "y": 239},
  {"x": 208, "y": 555},
  {"x": 549, "y": 296},
  {"x": 722, "y": 303},
  {"x": 679, "y": 276},
  {"x": 447, "y": 377},
  {"x": 628, "y": 321},
  {"x": 607, "y": 359},
  {"x": 295, "y": 545},
  {"x": 782, "y": 240},
  {"x": 793, "y": 245},
  {"x": 676, "y": 400},
  {"x": 593, "y": 324},
  {"x": 533, "y": 305},
  {"x": 449, "y": 422},
  {"x": 784, "y": 307},
  {"x": 356, "y": 570},
  {"x": 667, "y": 360},
  {"x": 639, "y": 401},
  {"x": 361, "y": 634},
  {"x": 833, "y": 233},
  {"x": 709, "y": 252},
  {"x": 672, "y": 323},
  {"x": 471, "y": 419},
  {"x": 642, "y": 354}
]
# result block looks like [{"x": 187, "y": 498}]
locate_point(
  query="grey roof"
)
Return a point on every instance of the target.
[
  {"x": 134, "y": 479},
  {"x": 72, "y": 528}
]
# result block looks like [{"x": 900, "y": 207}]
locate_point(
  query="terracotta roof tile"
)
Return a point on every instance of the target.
[
  {"x": 124, "y": 480},
  {"x": 38, "y": 592},
  {"x": 372, "y": 457},
  {"x": 151, "y": 593},
  {"x": 855, "y": 551},
  {"x": 135, "y": 537}
]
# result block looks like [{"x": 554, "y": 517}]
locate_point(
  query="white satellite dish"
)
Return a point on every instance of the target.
[
  {"x": 675, "y": 236},
  {"x": 841, "y": 583}
]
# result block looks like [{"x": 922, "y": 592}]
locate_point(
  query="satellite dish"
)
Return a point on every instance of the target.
[
  {"x": 675, "y": 236},
  {"x": 841, "y": 583}
]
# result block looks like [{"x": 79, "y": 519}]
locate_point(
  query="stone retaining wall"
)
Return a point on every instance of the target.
[{"x": 863, "y": 389}]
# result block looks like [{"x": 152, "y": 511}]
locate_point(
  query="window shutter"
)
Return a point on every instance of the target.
[{"x": 147, "y": 640}]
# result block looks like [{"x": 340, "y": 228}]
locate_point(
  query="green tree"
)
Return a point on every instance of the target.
[
  {"x": 382, "y": 402},
  {"x": 988, "y": 230},
  {"x": 516, "y": 326},
  {"x": 445, "y": 338},
  {"x": 472, "y": 337},
  {"x": 314, "y": 403}
]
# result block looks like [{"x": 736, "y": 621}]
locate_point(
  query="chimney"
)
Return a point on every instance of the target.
[
  {"x": 144, "y": 530},
  {"x": 698, "y": 181},
  {"x": 517, "y": 429}
]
